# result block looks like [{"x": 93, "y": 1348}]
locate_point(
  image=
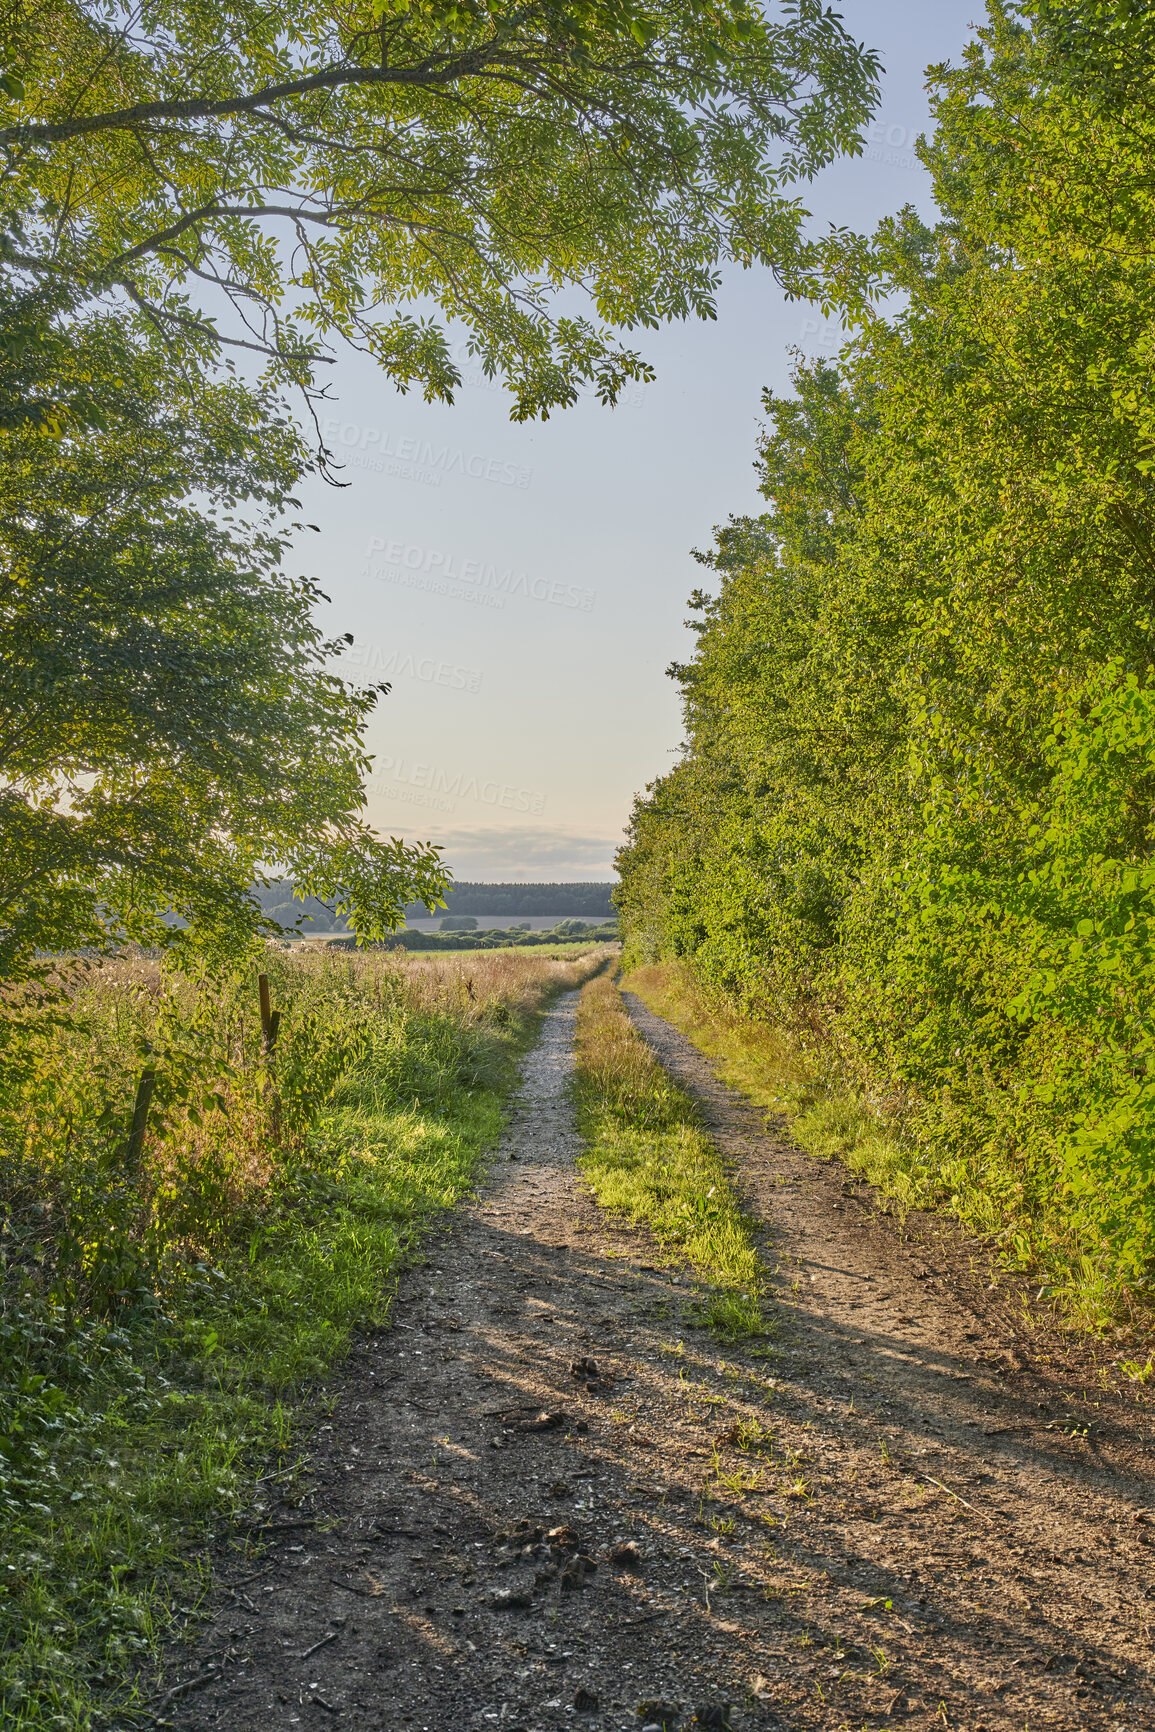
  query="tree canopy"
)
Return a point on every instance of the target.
[
  {"x": 167, "y": 726},
  {"x": 915, "y": 815},
  {"x": 366, "y": 171},
  {"x": 182, "y": 185}
]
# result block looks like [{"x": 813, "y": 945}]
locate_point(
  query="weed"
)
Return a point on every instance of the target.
[
  {"x": 742, "y": 1480},
  {"x": 752, "y": 1435}
]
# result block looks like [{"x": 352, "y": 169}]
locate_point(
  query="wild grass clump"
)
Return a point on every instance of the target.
[
  {"x": 648, "y": 1159},
  {"x": 160, "y": 1315}
]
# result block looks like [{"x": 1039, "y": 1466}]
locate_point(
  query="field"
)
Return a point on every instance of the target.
[
  {"x": 163, "y": 1316},
  {"x": 731, "y": 1309},
  {"x": 555, "y": 950}
]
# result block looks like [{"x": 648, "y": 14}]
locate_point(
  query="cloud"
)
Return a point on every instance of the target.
[{"x": 529, "y": 855}]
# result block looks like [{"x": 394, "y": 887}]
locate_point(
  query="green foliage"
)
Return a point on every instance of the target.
[
  {"x": 590, "y": 900},
  {"x": 326, "y": 172},
  {"x": 293, "y": 913},
  {"x": 914, "y": 823},
  {"x": 167, "y": 723},
  {"x": 158, "y": 1320},
  {"x": 647, "y": 1158}
]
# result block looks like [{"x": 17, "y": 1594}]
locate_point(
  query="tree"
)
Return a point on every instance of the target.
[
  {"x": 167, "y": 727},
  {"x": 359, "y": 171},
  {"x": 916, "y": 810},
  {"x": 319, "y": 172}
]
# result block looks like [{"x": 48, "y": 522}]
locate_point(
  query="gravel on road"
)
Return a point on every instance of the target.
[{"x": 543, "y": 1497}]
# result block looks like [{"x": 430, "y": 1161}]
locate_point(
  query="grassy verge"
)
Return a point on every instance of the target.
[
  {"x": 827, "y": 1118},
  {"x": 161, "y": 1322},
  {"x": 830, "y": 1119},
  {"x": 648, "y": 1159}
]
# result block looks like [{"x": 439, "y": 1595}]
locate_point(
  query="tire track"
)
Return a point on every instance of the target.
[{"x": 807, "y": 1532}]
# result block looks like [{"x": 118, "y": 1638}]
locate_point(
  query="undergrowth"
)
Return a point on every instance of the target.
[
  {"x": 771, "y": 1068},
  {"x": 830, "y": 1118},
  {"x": 161, "y": 1320},
  {"x": 648, "y": 1159}
]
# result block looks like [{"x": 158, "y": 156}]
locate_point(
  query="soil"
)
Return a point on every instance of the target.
[{"x": 545, "y": 1497}]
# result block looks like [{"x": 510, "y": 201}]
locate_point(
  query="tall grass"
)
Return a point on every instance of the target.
[
  {"x": 806, "y": 1085},
  {"x": 159, "y": 1318},
  {"x": 831, "y": 1117},
  {"x": 648, "y": 1159}
]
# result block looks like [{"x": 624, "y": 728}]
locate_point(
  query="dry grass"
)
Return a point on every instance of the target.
[
  {"x": 827, "y": 1117},
  {"x": 480, "y": 983},
  {"x": 832, "y": 1120},
  {"x": 767, "y": 1064},
  {"x": 219, "y": 1106}
]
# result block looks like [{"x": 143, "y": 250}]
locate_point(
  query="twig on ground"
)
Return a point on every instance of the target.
[
  {"x": 955, "y": 1495},
  {"x": 323, "y": 1643},
  {"x": 189, "y": 1685}
]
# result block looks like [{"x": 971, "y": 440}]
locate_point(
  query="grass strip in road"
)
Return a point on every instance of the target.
[
  {"x": 160, "y": 1325},
  {"x": 647, "y": 1158}
]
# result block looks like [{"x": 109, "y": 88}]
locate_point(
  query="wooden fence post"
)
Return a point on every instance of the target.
[
  {"x": 144, "y": 1090},
  {"x": 270, "y": 1024},
  {"x": 266, "y": 1011}
]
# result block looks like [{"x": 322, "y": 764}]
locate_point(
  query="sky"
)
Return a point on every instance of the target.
[{"x": 523, "y": 587}]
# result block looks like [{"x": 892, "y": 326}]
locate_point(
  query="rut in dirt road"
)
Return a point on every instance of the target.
[{"x": 544, "y": 1498}]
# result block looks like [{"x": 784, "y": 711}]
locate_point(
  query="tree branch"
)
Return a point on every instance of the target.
[{"x": 427, "y": 72}]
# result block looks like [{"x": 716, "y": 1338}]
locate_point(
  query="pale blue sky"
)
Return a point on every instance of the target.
[{"x": 524, "y": 586}]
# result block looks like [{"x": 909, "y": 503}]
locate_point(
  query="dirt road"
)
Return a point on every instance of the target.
[{"x": 544, "y": 1498}]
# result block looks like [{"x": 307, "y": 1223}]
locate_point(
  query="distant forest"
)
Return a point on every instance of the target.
[
  {"x": 589, "y": 900},
  {"x": 592, "y": 900}
]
